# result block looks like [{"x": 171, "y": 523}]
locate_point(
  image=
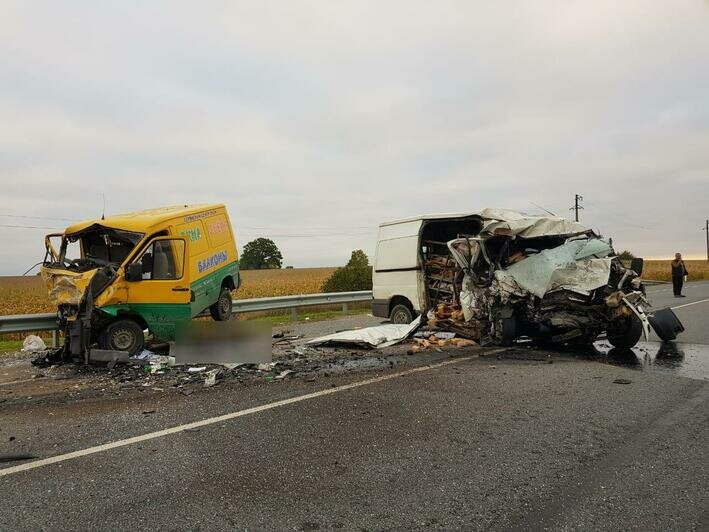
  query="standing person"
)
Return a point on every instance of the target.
[{"x": 679, "y": 272}]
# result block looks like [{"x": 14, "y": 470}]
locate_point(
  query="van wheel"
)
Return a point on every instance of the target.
[
  {"x": 221, "y": 310},
  {"x": 122, "y": 335},
  {"x": 401, "y": 314},
  {"x": 626, "y": 334}
]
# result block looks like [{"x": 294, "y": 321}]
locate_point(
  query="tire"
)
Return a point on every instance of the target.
[
  {"x": 401, "y": 314},
  {"x": 666, "y": 324},
  {"x": 221, "y": 310},
  {"x": 508, "y": 328},
  {"x": 626, "y": 337},
  {"x": 122, "y": 335}
]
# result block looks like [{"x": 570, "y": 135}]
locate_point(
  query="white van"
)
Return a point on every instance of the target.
[{"x": 403, "y": 247}]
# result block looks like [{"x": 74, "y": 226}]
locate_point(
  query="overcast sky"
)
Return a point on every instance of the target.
[{"x": 315, "y": 121}]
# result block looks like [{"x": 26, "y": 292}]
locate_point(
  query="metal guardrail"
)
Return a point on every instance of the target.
[{"x": 48, "y": 322}]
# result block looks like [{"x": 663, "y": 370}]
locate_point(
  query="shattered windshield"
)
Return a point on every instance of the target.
[{"x": 97, "y": 246}]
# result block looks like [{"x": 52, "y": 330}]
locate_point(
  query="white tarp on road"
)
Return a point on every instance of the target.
[{"x": 379, "y": 336}]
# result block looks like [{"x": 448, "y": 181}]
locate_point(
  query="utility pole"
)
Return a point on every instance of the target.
[
  {"x": 576, "y": 207},
  {"x": 706, "y": 230}
]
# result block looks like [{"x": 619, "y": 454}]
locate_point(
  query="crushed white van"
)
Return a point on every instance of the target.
[{"x": 497, "y": 275}]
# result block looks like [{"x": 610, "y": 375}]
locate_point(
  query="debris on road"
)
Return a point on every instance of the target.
[
  {"x": 33, "y": 343},
  {"x": 378, "y": 337},
  {"x": 210, "y": 378},
  {"x": 4, "y": 458}
]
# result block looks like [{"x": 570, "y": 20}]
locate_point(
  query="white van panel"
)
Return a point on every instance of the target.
[
  {"x": 389, "y": 284},
  {"x": 387, "y": 232},
  {"x": 397, "y": 253},
  {"x": 397, "y": 247}
]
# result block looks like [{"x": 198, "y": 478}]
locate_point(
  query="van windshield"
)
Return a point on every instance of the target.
[{"x": 97, "y": 246}]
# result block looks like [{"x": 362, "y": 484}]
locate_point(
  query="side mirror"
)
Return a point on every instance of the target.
[
  {"x": 134, "y": 272},
  {"x": 637, "y": 265}
]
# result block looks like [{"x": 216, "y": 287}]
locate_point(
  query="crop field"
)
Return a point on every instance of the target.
[
  {"x": 660, "y": 270},
  {"x": 27, "y": 295}
]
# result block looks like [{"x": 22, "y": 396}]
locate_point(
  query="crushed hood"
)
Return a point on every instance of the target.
[{"x": 66, "y": 287}]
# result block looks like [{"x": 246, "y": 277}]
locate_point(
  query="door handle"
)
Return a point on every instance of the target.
[{"x": 180, "y": 289}]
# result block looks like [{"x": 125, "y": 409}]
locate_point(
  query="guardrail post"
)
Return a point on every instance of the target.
[
  {"x": 55, "y": 338},
  {"x": 345, "y": 308},
  {"x": 294, "y": 314}
]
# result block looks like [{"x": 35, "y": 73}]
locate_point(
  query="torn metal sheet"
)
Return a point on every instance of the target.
[
  {"x": 378, "y": 337},
  {"x": 527, "y": 226},
  {"x": 559, "y": 269}
]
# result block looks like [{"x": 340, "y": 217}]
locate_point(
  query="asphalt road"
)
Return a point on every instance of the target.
[
  {"x": 478, "y": 439},
  {"x": 692, "y": 310}
]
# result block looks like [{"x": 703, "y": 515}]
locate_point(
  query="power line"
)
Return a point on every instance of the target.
[
  {"x": 321, "y": 235},
  {"x": 29, "y": 227},
  {"x": 542, "y": 208},
  {"x": 36, "y": 217}
]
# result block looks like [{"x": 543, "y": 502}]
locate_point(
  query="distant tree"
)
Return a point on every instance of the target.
[
  {"x": 260, "y": 254},
  {"x": 626, "y": 255},
  {"x": 358, "y": 259},
  {"x": 356, "y": 275}
]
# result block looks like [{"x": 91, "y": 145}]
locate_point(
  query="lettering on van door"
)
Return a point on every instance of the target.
[
  {"x": 210, "y": 262},
  {"x": 193, "y": 233}
]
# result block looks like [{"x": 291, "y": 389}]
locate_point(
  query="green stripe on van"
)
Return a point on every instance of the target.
[
  {"x": 163, "y": 318},
  {"x": 206, "y": 290}
]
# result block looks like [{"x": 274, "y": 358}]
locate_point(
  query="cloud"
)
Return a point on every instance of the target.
[{"x": 314, "y": 121}]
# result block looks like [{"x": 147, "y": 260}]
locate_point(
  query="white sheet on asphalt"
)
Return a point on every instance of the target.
[{"x": 379, "y": 336}]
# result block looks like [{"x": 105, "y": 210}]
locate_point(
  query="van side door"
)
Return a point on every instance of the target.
[{"x": 159, "y": 286}]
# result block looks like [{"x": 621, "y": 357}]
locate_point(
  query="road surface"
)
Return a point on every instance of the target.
[{"x": 512, "y": 439}]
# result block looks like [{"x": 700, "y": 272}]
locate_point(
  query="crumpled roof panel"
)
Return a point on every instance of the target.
[{"x": 526, "y": 226}]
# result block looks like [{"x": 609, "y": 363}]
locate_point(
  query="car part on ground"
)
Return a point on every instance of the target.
[{"x": 379, "y": 336}]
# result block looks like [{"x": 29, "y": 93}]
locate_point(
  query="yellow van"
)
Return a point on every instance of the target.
[{"x": 115, "y": 277}]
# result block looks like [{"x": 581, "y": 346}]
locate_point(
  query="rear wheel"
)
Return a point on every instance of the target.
[
  {"x": 401, "y": 314},
  {"x": 626, "y": 334},
  {"x": 122, "y": 335},
  {"x": 221, "y": 310}
]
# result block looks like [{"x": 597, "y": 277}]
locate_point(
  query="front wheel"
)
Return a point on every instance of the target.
[
  {"x": 122, "y": 335},
  {"x": 221, "y": 310},
  {"x": 401, "y": 314},
  {"x": 627, "y": 333}
]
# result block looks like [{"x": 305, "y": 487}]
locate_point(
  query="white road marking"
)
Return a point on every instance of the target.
[
  {"x": 690, "y": 304},
  {"x": 219, "y": 419}
]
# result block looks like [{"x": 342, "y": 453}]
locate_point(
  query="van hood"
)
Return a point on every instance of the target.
[{"x": 66, "y": 287}]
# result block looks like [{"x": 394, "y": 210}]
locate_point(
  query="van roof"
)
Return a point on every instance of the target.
[
  {"x": 422, "y": 217},
  {"x": 139, "y": 221}
]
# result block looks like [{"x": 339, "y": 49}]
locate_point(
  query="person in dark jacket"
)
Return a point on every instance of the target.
[{"x": 679, "y": 272}]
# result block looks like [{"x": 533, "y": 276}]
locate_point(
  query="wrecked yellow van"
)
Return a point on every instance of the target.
[{"x": 113, "y": 278}]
